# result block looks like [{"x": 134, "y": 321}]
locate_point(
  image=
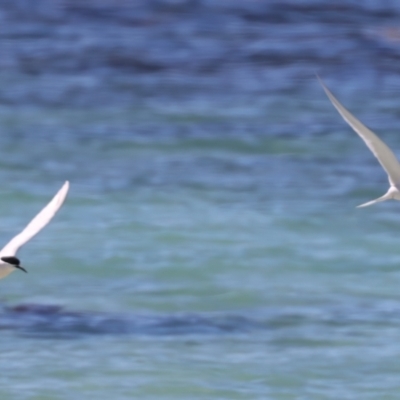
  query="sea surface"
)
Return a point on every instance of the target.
[{"x": 210, "y": 246}]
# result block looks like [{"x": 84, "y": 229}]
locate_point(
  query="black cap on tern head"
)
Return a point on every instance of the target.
[{"x": 14, "y": 261}]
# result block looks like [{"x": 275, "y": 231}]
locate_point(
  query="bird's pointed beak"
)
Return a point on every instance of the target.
[{"x": 21, "y": 268}]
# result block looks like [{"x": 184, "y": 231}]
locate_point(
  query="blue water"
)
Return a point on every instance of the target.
[{"x": 209, "y": 247}]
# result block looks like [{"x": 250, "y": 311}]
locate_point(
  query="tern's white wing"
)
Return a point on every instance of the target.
[
  {"x": 37, "y": 224},
  {"x": 380, "y": 150}
]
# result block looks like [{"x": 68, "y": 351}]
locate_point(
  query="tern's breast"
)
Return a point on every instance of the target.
[
  {"x": 5, "y": 269},
  {"x": 396, "y": 194}
]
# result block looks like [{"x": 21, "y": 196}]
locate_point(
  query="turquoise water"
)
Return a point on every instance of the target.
[
  {"x": 210, "y": 247},
  {"x": 188, "y": 267}
]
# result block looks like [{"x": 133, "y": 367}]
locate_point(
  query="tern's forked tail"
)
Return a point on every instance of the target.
[{"x": 387, "y": 196}]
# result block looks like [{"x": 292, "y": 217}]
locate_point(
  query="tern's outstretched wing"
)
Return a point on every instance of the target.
[
  {"x": 37, "y": 224},
  {"x": 380, "y": 150}
]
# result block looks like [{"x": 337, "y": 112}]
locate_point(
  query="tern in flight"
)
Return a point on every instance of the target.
[
  {"x": 379, "y": 149},
  {"x": 8, "y": 260}
]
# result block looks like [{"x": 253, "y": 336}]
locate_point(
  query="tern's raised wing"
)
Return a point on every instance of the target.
[
  {"x": 37, "y": 224},
  {"x": 380, "y": 150}
]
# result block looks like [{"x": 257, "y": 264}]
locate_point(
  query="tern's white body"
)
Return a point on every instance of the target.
[
  {"x": 381, "y": 151},
  {"x": 34, "y": 227}
]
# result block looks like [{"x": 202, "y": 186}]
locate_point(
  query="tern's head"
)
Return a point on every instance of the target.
[{"x": 14, "y": 261}]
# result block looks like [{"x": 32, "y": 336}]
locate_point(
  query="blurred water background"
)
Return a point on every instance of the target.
[{"x": 210, "y": 247}]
